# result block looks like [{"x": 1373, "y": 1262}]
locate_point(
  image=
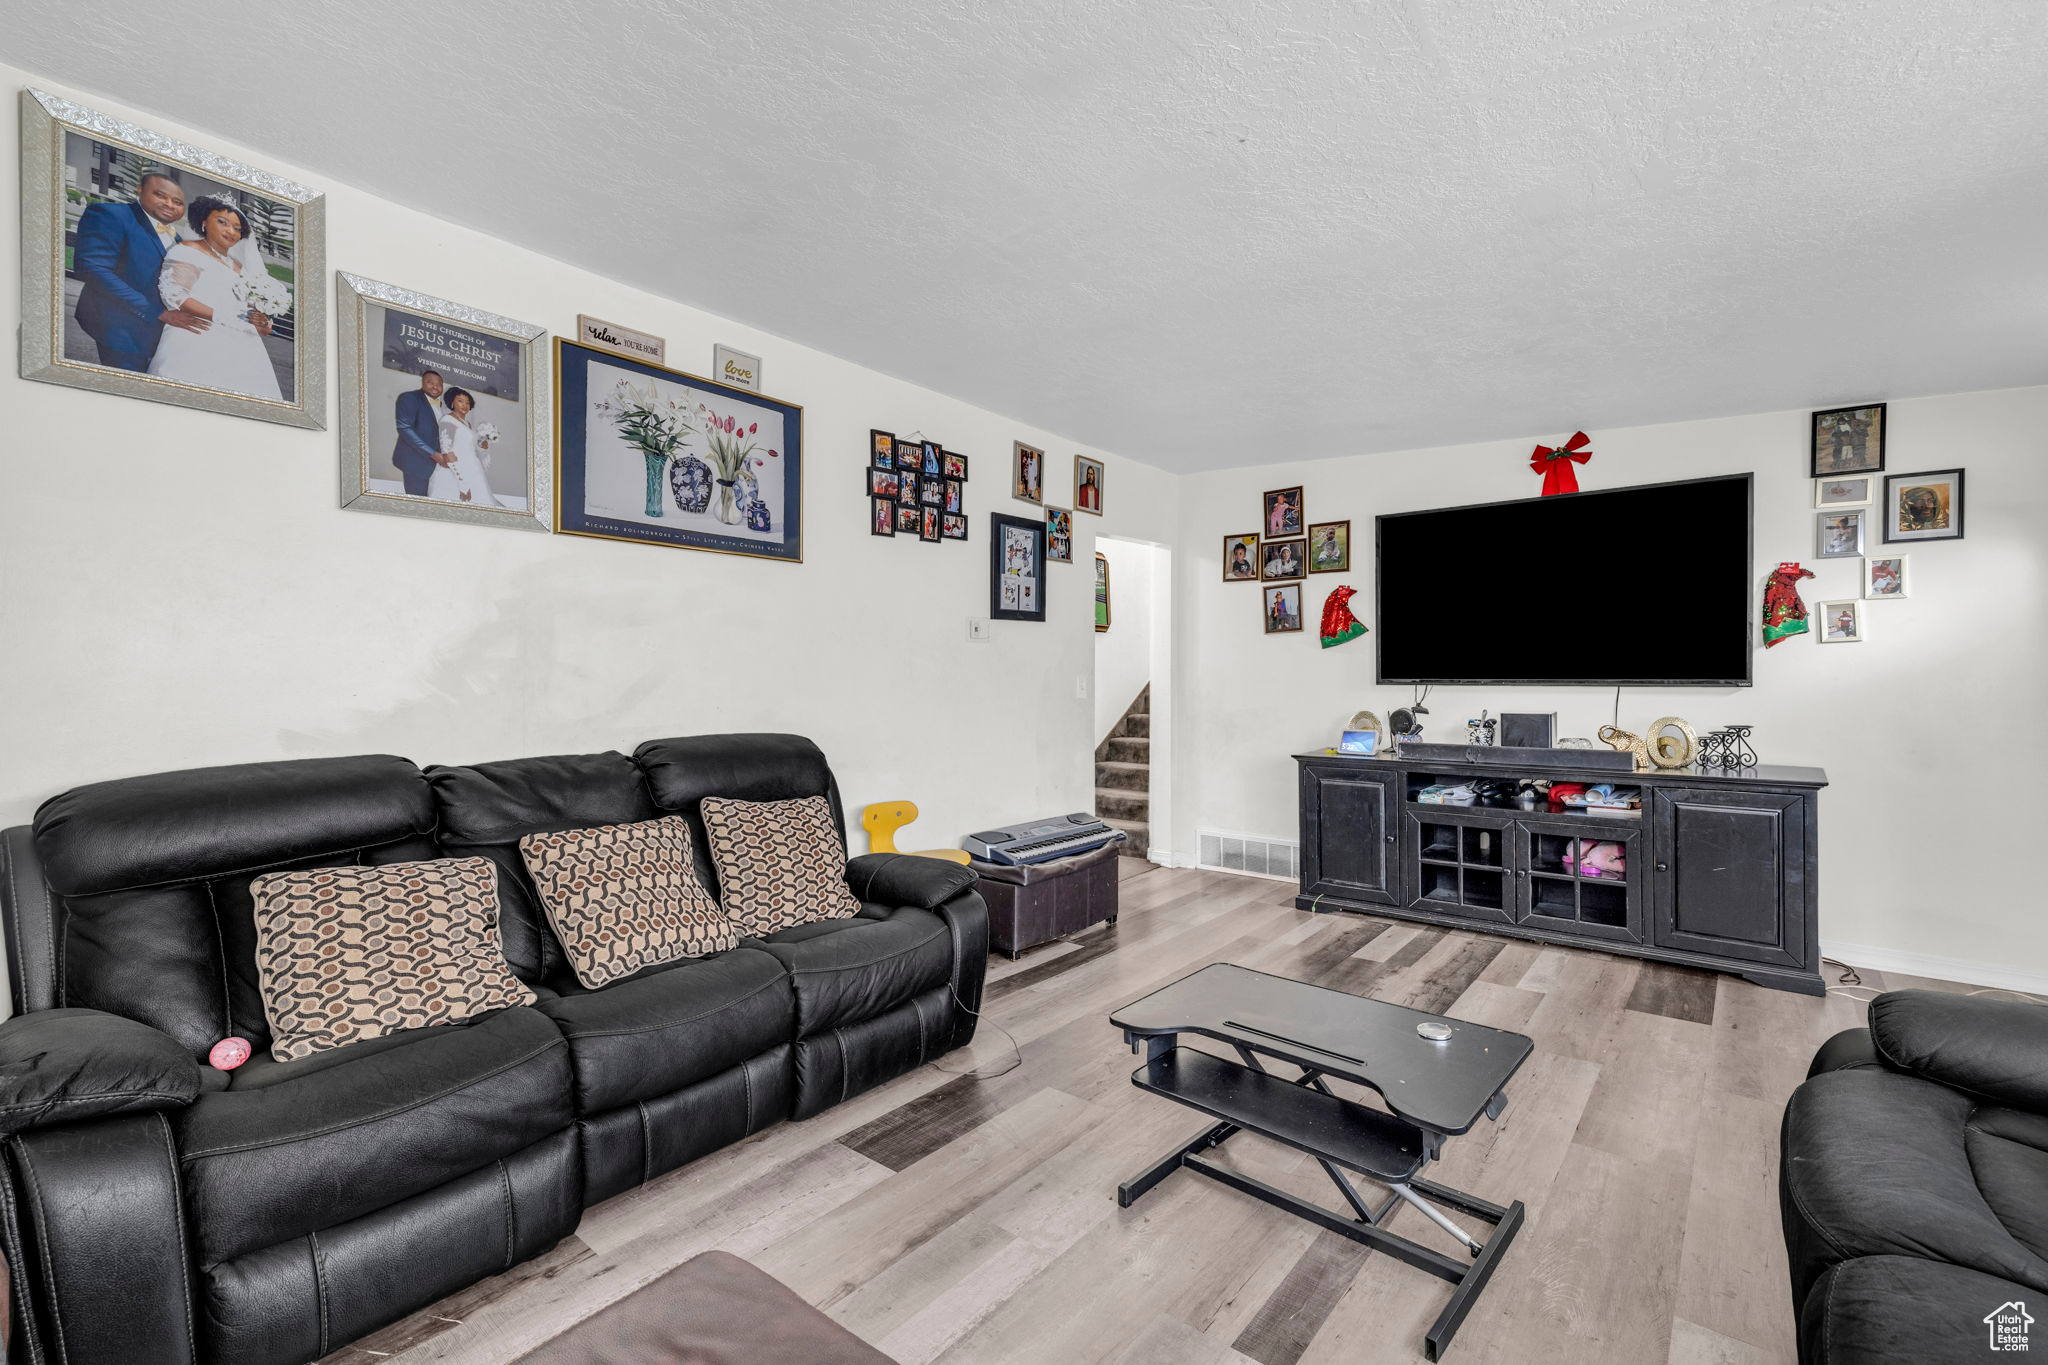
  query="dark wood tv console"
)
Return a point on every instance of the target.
[{"x": 1722, "y": 866}]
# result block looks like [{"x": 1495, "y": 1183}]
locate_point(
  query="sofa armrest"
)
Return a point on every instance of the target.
[
  {"x": 59, "y": 1066},
  {"x": 1995, "y": 1049},
  {"x": 904, "y": 879}
]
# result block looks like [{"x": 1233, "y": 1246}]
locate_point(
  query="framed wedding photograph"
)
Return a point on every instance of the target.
[
  {"x": 1059, "y": 535},
  {"x": 1841, "y": 623},
  {"x": 1924, "y": 506},
  {"x": 881, "y": 516},
  {"x": 158, "y": 270},
  {"x": 444, "y": 409},
  {"x": 1283, "y": 512},
  {"x": 1088, "y": 484},
  {"x": 1283, "y": 559},
  {"x": 1241, "y": 558},
  {"x": 1028, "y": 484},
  {"x": 1329, "y": 547},
  {"x": 1101, "y": 593},
  {"x": 1848, "y": 441},
  {"x": 881, "y": 449},
  {"x": 1838, "y": 535},
  {"x": 649, "y": 454},
  {"x": 1884, "y": 577},
  {"x": 956, "y": 466},
  {"x": 1853, "y": 492},
  {"x": 1016, "y": 568},
  {"x": 1283, "y": 609}
]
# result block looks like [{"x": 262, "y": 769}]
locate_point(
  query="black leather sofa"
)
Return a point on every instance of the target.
[
  {"x": 1913, "y": 1182},
  {"x": 158, "y": 1210}
]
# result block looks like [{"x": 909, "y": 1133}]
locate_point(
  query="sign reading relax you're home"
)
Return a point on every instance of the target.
[{"x": 624, "y": 341}]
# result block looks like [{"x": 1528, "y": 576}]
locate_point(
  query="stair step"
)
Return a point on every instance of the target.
[
  {"x": 1138, "y": 835},
  {"x": 1134, "y": 727},
  {"x": 1124, "y": 749},
  {"x": 1125, "y": 805},
  {"x": 1135, "y": 777}
]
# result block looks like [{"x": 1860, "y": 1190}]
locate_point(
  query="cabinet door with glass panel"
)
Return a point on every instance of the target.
[
  {"x": 1580, "y": 876},
  {"x": 1464, "y": 863}
]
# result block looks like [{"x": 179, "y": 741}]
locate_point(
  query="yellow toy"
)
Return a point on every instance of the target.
[{"x": 884, "y": 818}]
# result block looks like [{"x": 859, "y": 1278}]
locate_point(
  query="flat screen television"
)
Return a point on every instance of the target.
[{"x": 1646, "y": 586}]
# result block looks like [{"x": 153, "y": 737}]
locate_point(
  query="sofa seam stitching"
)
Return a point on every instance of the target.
[
  {"x": 163, "y": 1129},
  {"x": 50, "y": 938},
  {"x": 646, "y": 1143},
  {"x": 747, "y": 1086},
  {"x": 35, "y": 1188},
  {"x": 377, "y": 1118},
  {"x": 511, "y": 1218},
  {"x": 220, "y": 946},
  {"x": 92, "y": 1097},
  {"x": 277, "y": 865},
  {"x": 845, "y": 1067},
  {"x": 673, "y": 1023},
  {"x": 850, "y": 966},
  {"x": 319, "y": 1286}
]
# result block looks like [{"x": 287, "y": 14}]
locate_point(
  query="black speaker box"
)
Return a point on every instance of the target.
[{"x": 1528, "y": 729}]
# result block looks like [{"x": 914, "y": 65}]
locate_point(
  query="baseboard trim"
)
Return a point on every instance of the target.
[{"x": 1939, "y": 968}]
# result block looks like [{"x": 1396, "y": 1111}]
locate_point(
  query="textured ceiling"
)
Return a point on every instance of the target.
[{"x": 1208, "y": 235}]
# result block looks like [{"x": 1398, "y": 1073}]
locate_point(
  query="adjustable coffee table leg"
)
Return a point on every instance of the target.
[
  {"x": 1429, "y": 1211},
  {"x": 1133, "y": 1189}
]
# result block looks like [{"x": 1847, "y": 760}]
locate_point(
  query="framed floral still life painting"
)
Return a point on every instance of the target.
[
  {"x": 1924, "y": 506},
  {"x": 1016, "y": 568},
  {"x": 159, "y": 270},
  {"x": 444, "y": 410},
  {"x": 649, "y": 454}
]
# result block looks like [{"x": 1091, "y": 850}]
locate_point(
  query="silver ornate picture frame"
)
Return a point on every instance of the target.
[
  {"x": 391, "y": 340},
  {"x": 240, "y": 312}
]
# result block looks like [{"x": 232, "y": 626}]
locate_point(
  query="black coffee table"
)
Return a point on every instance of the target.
[{"x": 1435, "y": 1090}]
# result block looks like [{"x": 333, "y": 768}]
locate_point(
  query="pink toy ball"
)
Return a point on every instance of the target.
[{"x": 228, "y": 1054}]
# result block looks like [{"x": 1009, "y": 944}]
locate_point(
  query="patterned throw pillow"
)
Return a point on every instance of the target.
[
  {"x": 624, "y": 897},
  {"x": 780, "y": 863},
  {"x": 348, "y": 953}
]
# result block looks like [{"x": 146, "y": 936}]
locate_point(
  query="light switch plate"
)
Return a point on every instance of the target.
[{"x": 977, "y": 629}]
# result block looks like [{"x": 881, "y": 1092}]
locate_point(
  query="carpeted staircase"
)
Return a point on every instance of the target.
[{"x": 1123, "y": 775}]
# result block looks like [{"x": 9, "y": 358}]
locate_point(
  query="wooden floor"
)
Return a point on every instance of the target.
[{"x": 952, "y": 1219}]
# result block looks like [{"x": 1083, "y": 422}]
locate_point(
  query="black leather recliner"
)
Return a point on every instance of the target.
[
  {"x": 1913, "y": 1182},
  {"x": 158, "y": 1210}
]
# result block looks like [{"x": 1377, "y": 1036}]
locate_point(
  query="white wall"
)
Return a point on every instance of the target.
[
  {"x": 180, "y": 588},
  {"x": 1931, "y": 731},
  {"x": 1123, "y": 653}
]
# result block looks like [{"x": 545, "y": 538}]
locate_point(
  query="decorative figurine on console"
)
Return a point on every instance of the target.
[
  {"x": 1628, "y": 743},
  {"x": 1481, "y": 731},
  {"x": 1668, "y": 751}
]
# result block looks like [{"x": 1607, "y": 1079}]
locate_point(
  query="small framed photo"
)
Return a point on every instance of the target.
[
  {"x": 1838, "y": 535},
  {"x": 910, "y": 455},
  {"x": 1853, "y": 492},
  {"x": 1029, "y": 484},
  {"x": 1016, "y": 568},
  {"x": 1841, "y": 623},
  {"x": 1088, "y": 484},
  {"x": 1101, "y": 593},
  {"x": 1241, "y": 558},
  {"x": 1848, "y": 441},
  {"x": 906, "y": 487},
  {"x": 955, "y": 465},
  {"x": 928, "y": 525},
  {"x": 1283, "y": 512},
  {"x": 953, "y": 526},
  {"x": 884, "y": 483},
  {"x": 931, "y": 491},
  {"x": 444, "y": 409},
  {"x": 1284, "y": 559},
  {"x": 956, "y": 496},
  {"x": 881, "y": 449},
  {"x": 1059, "y": 535},
  {"x": 1884, "y": 576},
  {"x": 882, "y": 517},
  {"x": 1329, "y": 547},
  {"x": 1283, "y": 609},
  {"x": 909, "y": 520},
  {"x": 934, "y": 460},
  {"x": 1924, "y": 506},
  {"x": 158, "y": 270}
]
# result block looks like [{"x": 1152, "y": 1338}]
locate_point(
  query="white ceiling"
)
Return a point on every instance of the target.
[{"x": 1207, "y": 234}]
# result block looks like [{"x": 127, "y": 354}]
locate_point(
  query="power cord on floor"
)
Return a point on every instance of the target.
[
  {"x": 1016, "y": 1060},
  {"x": 1851, "y": 981}
]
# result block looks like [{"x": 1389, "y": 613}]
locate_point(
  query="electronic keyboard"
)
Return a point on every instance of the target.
[{"x": 1040, "y": 841}]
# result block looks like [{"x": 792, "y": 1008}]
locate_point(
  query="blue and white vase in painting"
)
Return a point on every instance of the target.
[{"x": 689, "y": 480}]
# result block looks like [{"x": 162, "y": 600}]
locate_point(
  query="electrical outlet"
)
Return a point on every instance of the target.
[{"x": 977, "y": 629}]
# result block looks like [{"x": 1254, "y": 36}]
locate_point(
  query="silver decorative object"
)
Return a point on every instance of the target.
[
  {"x": 354, "y": 293},
  {"x": 45, "y": 119}
]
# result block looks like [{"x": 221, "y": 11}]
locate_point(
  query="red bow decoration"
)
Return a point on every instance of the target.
[{"x": 1555, "y": 463}]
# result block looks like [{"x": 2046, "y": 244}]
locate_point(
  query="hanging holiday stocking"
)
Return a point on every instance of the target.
[
  {"x": 1784, "y": 613},
  {"x": 1555, "y": 463},
  {"x": 1339, "y": 624}
]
